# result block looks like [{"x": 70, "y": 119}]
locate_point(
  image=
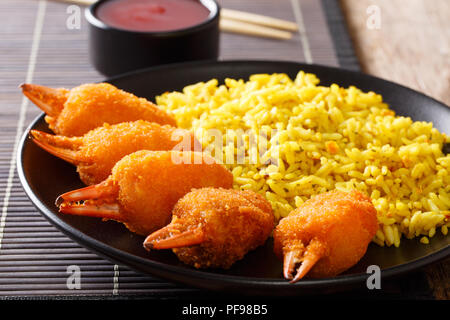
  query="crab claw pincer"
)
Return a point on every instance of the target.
[{"x": 326, "y": 235}]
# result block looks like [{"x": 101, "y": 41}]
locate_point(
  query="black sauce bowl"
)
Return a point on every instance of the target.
[{"x": 114, "y": 51}]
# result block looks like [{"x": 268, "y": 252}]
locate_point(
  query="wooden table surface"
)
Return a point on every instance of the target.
[{"x": 407, "y": 42}]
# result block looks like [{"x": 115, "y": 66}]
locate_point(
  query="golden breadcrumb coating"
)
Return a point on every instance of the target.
[
  {"x": 107, "y": 145},
  {"x": 234, "y": 222}
]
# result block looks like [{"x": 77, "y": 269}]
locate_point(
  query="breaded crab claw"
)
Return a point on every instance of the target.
[
  {"x": 143, "y": 188},
  {"x": 215, "y": 227},
  {"x": 326, "y": 235},
  {"x": 95, "y": 153},
  {"x": 75, "y": 112}
]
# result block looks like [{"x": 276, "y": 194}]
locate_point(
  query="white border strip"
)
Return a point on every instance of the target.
[
  {"x": 302, "y": 31},
  {"x": 116, "y": 280},
  {"x": 23, "y": 110}
]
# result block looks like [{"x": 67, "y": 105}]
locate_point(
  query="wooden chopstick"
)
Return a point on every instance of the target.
[
  {"x": 241, "y": 22},
  {"x": 228, "y": 25},
  {"x": 258, "y": 19}
]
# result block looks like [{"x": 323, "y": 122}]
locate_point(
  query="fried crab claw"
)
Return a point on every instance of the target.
[
  {"x": 143, "y": 188},
  {"x": 326, "y": 235},
  {"x": 215, "y": 227},
  {"x": 96, "y": 152},
  {"x": 81, "y": 109}
]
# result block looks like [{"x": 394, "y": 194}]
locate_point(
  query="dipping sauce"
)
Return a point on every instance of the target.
[{"x": 152, "y": 15}]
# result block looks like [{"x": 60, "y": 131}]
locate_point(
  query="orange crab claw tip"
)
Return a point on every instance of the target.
[
  {"x": 159, "y": 234},
  {"x": 59, "y": 201},
  {"x": 85, "y": 193},
  {"x": 40, "y": 135},
  {"x": 34, "y": 133},
  {"x": 187, "y": 238},
  {"x": 98, "y": 191},
  {"x": 106, "y": 211},
  {"x": 47, "y": 99},
  {"x": 68, "y": 155},
  {"x": 27, "y": 86}
]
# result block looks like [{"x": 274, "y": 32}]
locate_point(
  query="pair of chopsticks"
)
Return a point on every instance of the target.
[
  {"x": 256, "y": 25},
  {"x": 241, "y": 22}
]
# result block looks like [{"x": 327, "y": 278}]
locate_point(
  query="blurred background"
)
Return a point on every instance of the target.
[{"x": 411, "y": 46}]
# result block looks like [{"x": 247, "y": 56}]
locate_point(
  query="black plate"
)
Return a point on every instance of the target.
[{"x": 44, "y": 177}]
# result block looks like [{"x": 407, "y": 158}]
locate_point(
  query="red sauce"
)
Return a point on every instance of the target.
[{"x": 152, "y": 15}]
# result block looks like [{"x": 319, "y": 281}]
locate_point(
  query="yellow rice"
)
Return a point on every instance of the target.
[{"x": 326, "y": 138}]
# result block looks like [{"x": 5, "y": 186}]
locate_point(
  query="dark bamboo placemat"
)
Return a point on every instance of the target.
[{"x": 36, "y": 46}]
